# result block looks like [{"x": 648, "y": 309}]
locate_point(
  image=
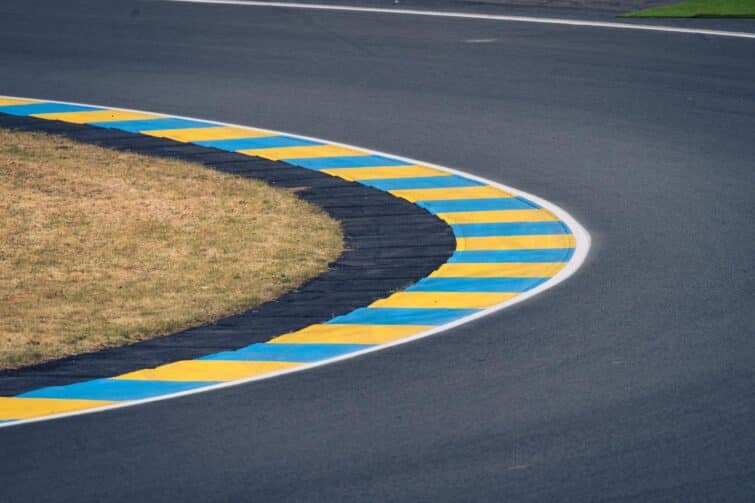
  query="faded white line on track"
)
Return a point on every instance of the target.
[
  {"x": 490, "y": 17},
  {"x": 480, "y": 40}
]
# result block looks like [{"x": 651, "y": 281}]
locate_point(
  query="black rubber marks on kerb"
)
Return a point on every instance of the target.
[{"x": 390, "y": 244}]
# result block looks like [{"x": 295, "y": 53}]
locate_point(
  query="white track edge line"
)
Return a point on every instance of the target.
[
  {"x": 468, "y": 15},
  {"x": 582, "y": 245}
]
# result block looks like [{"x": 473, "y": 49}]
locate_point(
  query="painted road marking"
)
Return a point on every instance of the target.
[
  {"x": 515, "y": 242},
  {"x": 495, "y": 203},
  {"x": 276, "y": 154},
  {"x": 24, "y": 408},
  {"x": 258, "y": 142},
  {"x": 354, "y": 174},
  {"x": 45, "y": 108},
  {"x": 114, "y": 389},
  {"x": 96, "y": 116},
  {"x": 15, "y": 101},
  {"x": 424, "y": 182},
  {"x": 401, "y": 316},
  {"x": 489, "y": 17},
  {"x": 535, "y": 255},
  {"x": 480, "y": 40},
  {"x": 469, "y": 217},
  {"x": 493, "y": 270},
  {"x": 139, "y": 126},
  {"x": 482, "y": 192},
  {"x": 349, "y": 161},
  {"x": 187, "y": 135},
  {"x": 207, "y": 370},
  {"x": 504, "y": 284},
  {"x": 287, "y": 352},
  {"x": 509, "y": 247},
  {"x": 350, "y": 334},
  {"x": 509, "y": 229},
  {"x": 456, "y": 300}
]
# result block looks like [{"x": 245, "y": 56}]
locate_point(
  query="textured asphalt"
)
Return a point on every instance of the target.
[{"x": 632, "y": 381}]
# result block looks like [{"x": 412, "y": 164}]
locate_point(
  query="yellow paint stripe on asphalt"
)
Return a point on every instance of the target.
[
  {"x": 472, "y": 217},
  {"x": 350, "y": 334},
  {"x": 276, "y": 154},
  {"x": 498, "y": 270},
  {"x": 207, "y": 370},
  {"x": 97, "y": 116},
  {"x": 482, "y": 192},
  {"x": 208, "y": 133},
  {"x": 16, "y": 101},
  {"x": 455, "y": 300},
  {"x": 23, "y": 408},
  {"x": 516, "y": 242},
  {"x": 411, "y": 171}
]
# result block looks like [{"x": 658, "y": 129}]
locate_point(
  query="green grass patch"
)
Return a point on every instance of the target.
[{"x": 700, "y": 8}]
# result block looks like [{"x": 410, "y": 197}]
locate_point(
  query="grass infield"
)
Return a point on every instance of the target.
[
  {"x": 100, "y": 248},
  {"x": 700, "y": 8}
]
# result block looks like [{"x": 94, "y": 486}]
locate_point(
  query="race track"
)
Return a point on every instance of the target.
[{"x": 632, "y": 381}]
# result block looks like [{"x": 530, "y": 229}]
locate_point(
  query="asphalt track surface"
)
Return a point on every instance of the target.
[{"x": 632, "y": 381}]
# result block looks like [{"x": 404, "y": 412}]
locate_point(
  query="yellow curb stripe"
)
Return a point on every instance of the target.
[
  {"x": 350, "y": 334},
  {"x": 411, "y": 171},
  {"x": 207, "y": 370},
  {"x": 16, "y": 101},
  {"x": 498, "y": 270},
  {"x": 454, "y": 300},
  {"x": 24, "y": 408},
  {"x": 97, "y": 116},
  {"x": 516, "y": 242},
  {"x": 482, "y": 192},
  {"x": 187, "y": 135},
  {"x": 277, "y": 154}
]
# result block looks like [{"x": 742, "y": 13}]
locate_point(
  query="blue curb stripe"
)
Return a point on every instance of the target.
[
  {"x": 400, "y": 316},
  {"x": 114, "y": 389},
  {"x": 359, "y": 161},
  {"x": 488, "y": 256},
  {"x": 2, "y": 421},
  {"x": 287, "y": 352},
  {"x": 45, "y": 108},
  {"x": 509, "y": 229},
  {"x": 425, "y": 182},
  {"x": 492, "y": 204},
  {"x": 137, "y": 126},
  {"x": 508, "y": 285},
  {"x": 257, "y": 142}
]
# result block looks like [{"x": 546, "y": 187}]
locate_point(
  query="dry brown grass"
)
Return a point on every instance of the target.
[{"x": 100, "y": 248}]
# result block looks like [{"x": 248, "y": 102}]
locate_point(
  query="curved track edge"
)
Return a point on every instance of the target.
[{"x": 510, "y": 246}]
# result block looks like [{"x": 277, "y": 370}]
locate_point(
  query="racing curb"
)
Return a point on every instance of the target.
[{"x": 428, "y": 249}]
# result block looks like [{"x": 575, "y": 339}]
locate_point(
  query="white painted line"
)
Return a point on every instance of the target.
[
  {"x": 582, "y": 245},
  {"x": 468, "y": 15},
  {"x": 480, "y": 40}
]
